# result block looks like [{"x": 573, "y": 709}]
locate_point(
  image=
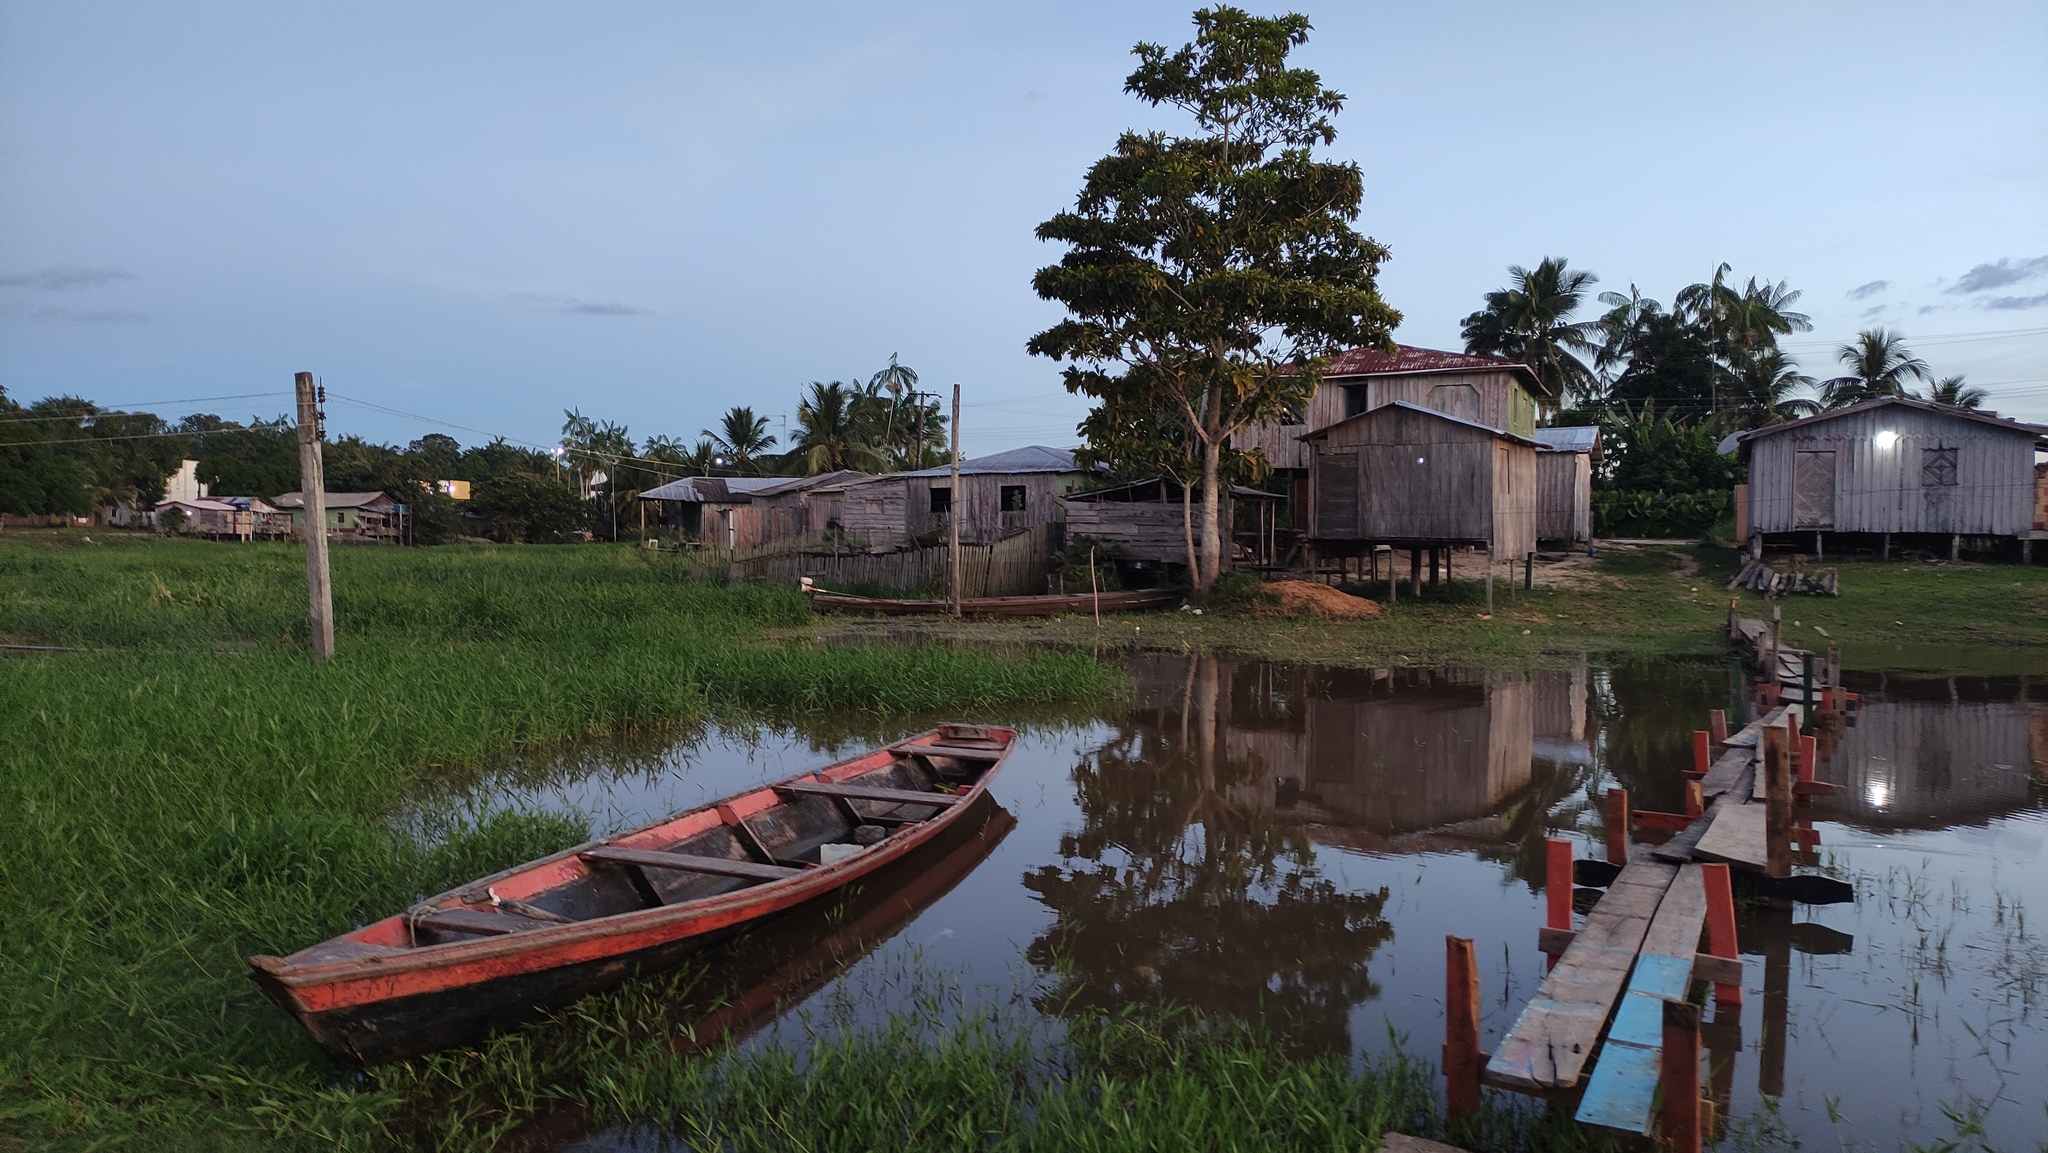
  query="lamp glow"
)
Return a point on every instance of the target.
[{"x": 1887, "y": 438}]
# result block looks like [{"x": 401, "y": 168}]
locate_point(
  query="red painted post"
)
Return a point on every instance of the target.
[
  {"x": 1461, "y": 1028},
  {"x": 1557, "y": 882},
  {"x": 1721, "y": 927},
  {"x": 1680, "y": 1120},
  {"x": 1792, "y": 728},
  {"x": 1701, "y": 762},
  {"x": 1809, "y": 754},
  {"x": 1717, "y": 726},
  {"x": 1617, "y": 826}
]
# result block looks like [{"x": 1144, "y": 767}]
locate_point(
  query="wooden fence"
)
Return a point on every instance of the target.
[{"x": 1014, "y": 566}]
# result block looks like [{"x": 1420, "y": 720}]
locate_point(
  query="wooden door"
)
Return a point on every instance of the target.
[
  {"x": 1337, "y": 496},
  {"x": 1813, "y": 490}
]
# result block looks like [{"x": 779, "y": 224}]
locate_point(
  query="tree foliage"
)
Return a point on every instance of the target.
[
  {"x": 1530, "y": 321},
  {"x": 1211, "y": 276}
]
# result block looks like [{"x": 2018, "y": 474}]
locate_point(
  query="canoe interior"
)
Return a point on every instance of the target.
[{"x": 751, "y": 839}]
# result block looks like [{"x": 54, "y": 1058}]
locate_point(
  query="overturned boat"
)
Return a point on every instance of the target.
[{"x": 505, "y": 947}]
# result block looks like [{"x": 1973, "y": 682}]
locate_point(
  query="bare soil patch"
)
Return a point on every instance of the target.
[{"x": 1298, "y": 598}]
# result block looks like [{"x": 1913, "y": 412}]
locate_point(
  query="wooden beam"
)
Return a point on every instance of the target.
[
  {"x": 868, "y": 793},
  {"x": 1557, "y": 883},
  {"x": 721, "y": 866},
  {"x": 1461, "y": 1057},
  {"x": 1679, "y": 1118},
  {"x": 1721, "y": 932},
  {"x": 1617, "y": 826}
]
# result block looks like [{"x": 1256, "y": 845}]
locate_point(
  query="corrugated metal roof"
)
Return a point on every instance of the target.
[
  {"x": 1569, "y": 438},
  {"x": 1409, "y": 359},
  {"x": 334, "y": 500},
  {"x": 1372, "y": 412},
  {"x": 1030, "y": 458},
  {"x": 1734, "y": 441},
  {"x": 699, "y": 489}
]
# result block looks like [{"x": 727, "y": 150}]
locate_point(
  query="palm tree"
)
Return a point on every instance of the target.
[
  {"x": 828, "y": 429},
  {"x": 1879, "y": 366},
  {"x": 1762, "y": 384},
  {"x": 1758, "y": 315},
  {"x": 1620, "y": 324},
  {"x": 741, "y": 437},
  {"x": 1530, "y": 321},
  {"x": 1951, "y": 390}
]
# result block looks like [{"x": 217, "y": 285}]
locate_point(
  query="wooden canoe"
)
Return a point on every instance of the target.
[
  {"x": 1025, "y": 606},
  {"x": 506, "y": 947}
]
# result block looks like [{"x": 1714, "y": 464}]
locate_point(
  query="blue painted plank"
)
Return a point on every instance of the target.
[
  {"x": 1623, "y": 1089},
  {"x": 1640, "y": 1021}
]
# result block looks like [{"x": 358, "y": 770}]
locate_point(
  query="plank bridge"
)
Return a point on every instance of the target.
[{"x": 1615, "y": 1028}]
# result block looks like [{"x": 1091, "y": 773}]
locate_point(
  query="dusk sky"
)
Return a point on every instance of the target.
[{"x": 488, "y": 213}]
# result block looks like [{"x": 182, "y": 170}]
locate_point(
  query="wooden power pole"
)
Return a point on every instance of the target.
[
  {"x": 313, "y": 490},
  {"x": 953, "y": 516}
]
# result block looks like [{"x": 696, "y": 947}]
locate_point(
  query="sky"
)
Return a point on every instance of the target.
[{"x": 469, "y": 217}]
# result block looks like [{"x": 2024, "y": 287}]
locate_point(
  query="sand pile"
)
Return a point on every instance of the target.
[{"x": 1299, "y": 598}]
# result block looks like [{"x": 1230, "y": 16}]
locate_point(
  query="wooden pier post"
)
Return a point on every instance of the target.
[
  {"x": 1461, "y": 1029},
  {"x": 1721, "y": 927},
  {"x": 1777, "y": 801},
  {"x": 1717, "y": 726},
  {"x": 1701, "y": 760},
  {"x": 1557, "y": 883},
  {"x": 1809, "y": 755},
  {"x": 1617, "y": 827},
  {"x": 1414, "y": 570},
  {"x": 1695, "y": 799},
  {"x": 1680, "y": 1120}
]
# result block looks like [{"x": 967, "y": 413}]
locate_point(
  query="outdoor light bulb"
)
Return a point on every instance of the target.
[
  {"x": 1420, "y": 460},
  {"x": 1887, "y": 438}
]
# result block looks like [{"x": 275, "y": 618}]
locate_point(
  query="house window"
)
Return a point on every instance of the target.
[
  {"x": 1356, "y": 398},
  {"x": 942, "y": 499},
  {"x": 1013, "y": 498},
  {"x": 1937, "y": 466},
  {"x": 871, "y": 505}
]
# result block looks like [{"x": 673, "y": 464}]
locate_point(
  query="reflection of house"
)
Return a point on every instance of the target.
[
  {"x": 1892, "y": 466},
  {"x": 1001, "y": 495},
  {"x": 1564, "y": 482},
  {"x": 1409, "y": 476},
  {"x": 352, "y": 517},
  {"x": 1931, "y": 763},
  {"x": 1146, "y": 521}
]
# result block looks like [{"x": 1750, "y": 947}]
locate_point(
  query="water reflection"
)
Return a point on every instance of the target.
[{"x": 1933, "y": 752}]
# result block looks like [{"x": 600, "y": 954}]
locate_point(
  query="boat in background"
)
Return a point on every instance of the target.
[{"x": 506, "y": 947}]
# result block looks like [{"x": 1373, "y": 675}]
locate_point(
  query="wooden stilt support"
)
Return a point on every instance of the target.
[
  {"x": 1777, "y": 802},
  {"x": 1701, "y": 760},
  {"x": 1721, "y": 927},
  {"x": 1462, "y": 1059},
  {"x": 1617, "y": 826},
  {"x": 1717, "y": 726},
  {"x": 1557, "y": 883},
  {"x": 1680, "y": 1120},
  {"x": 1695, "y": 799}
]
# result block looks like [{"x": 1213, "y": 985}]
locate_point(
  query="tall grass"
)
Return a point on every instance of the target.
[{"x": 190, "y": 788}]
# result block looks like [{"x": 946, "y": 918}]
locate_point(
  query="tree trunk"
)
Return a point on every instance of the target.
[
  {"x": 1212, "y": 534},
  {"x": 1187, "y": 524}
]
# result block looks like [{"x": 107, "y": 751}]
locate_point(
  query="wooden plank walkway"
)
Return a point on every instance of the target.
[
  {"x": 1622, "y": 1092},
  {"x": 1555, "y": 1036},
  {"x": 1738, "y": 836}
]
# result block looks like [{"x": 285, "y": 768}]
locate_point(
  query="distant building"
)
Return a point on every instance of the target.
[
  {"x": 1893, "y": 472},
  {"x": 1002, "y": 494},
  {"x": 181, "y": 485},
  {"x": 1146, "y": 522},
  {"x": 1565, "y": 458},
  {"x": 716, "y": 510},
  {"x": 352, "y": 517},
  {"x": 453, "y": 489}
]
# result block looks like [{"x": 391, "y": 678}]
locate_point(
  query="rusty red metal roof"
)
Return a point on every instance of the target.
[{"x": 1409, "y": 359}]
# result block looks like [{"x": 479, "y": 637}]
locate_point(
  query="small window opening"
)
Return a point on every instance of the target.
[
  {"x": 942, "y": 499},
  {"x": 1013, "y": 498}
]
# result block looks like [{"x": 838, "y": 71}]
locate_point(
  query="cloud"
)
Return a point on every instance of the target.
[
  {"x": 2016, "y": 302},
  {"x": 59, "y": 277},
  {"x": 1866, "y": 291},
  {"x": 1875, "y": 311},
  {"x": 580, "y": 306},
  {"x": 2007, "y": 271},
  {"x": 93, "y": 315}
]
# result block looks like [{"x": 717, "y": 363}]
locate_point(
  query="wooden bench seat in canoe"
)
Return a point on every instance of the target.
[
  {"x": 867, "y": 793},
  {"x": 722, "y": 866},
  {"x": 964, "y": 752},
  {"x": 474, "y": 922}
]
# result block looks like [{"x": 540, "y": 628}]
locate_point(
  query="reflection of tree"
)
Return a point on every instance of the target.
[{"x": 1175, "y": 895}]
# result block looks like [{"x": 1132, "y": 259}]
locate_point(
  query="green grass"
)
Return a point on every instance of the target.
[
  {"x": 1627, "y": 603},
  {"x": 191, "y": 788}
]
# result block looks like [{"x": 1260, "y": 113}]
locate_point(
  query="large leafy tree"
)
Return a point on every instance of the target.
[
  {"x": 1212, "y": 275},
  {"x": 1531, "y": 321},
  {"x": 1879, "y": 365}
]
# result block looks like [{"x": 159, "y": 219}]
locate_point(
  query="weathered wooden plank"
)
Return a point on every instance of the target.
[
  {"x": 1622, "y": 1091},
  {"x": 646, "y": 859},
  {"x": 1737, "y": 837},
  {"x": 1680, "y": 848},
  {"x": 865, "y": 793},
  {"x": 1554, "y": 1037},
  {"x": 1675, "y": 930},
  {"x": 1752, "y": 733},
  {"x": 1722, "y": 776}
]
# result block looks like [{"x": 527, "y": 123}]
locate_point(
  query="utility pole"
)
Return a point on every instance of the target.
[
  {"x": 953, "y": 516},
  {"x": 313, "y": 491}
]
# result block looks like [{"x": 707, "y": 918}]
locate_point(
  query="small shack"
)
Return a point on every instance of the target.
[
  {"x": 701, "y": 507},
  {"x": 1565, "y": 458},
  {"x": 1146, "y": 522},
  {"x": 1873, "y": 473},
  {"x": 1412, "y": 477},
  {"x": 1002, "y": 494},
  {"x": 352, "y": 517}
]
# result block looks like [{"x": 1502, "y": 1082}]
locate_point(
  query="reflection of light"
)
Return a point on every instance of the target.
[
  {"x": 1877, "y": 793},
  {"x": 1887, "y": 438}
]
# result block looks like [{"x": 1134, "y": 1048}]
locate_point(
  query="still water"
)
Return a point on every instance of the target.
[{"x": 1292, "y": 843}]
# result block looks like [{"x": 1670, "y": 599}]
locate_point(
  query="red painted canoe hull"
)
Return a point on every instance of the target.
[{"x": 393, "y": 989}]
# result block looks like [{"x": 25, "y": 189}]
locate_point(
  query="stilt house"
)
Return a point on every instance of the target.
[
  {"x": 1887, "y": 469},
  {"x": 1413, "y": 477}
]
